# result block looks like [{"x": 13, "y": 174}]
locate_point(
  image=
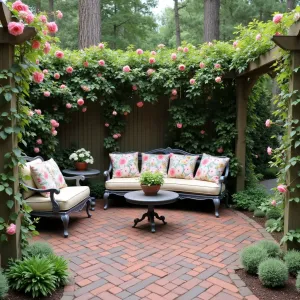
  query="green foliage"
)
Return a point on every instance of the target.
[
  {"x": 97, "y": 189},
  {"x": 149, "y": 178},
  {"x": 292, "y": 261},
  {"x": 273, "y": 225},
  {"x": 251, "y": 257},
  {"x": 3, "y": 285},
  {"x": 291, "y": 236},
  {"x": 252, "y": 207},
  {"x": 273, "y": 273},
  {"x": 38, "y": 249},
  {"x": 270, "y": 173},
  {"x": 60, "y": 266},
  {"x": 259, "y": 213},
  {"x": 274, "y": 213},
  {"x": 61, "y": 157},
  {"x": 272, "y": 248},
  {"x": 298, "y": 282}
]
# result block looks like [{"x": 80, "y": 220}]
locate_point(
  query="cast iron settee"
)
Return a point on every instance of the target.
[
  {"x": 56, "y": 210},
  {"x": 215, "y": 197}
]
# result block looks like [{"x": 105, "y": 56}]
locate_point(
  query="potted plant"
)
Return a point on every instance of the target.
[
  {"x": 81, "y": 158},
  {"x": 151, "y": 182}
]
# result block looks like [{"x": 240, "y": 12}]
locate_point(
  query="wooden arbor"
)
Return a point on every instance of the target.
[{"x": 11, "y": 249}]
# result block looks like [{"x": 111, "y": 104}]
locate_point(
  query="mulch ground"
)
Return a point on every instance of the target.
[
  {"x": 288, "y": 292},
  {"x": 12, "y": 295}
]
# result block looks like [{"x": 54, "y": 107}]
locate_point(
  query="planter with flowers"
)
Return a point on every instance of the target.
[
  {"x": 81, "y": 158},
  {"x": 151, "y": 182}
]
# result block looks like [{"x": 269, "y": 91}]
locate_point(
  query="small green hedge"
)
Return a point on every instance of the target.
[
  {"x": 273, "y": 249},
  {"x": 38, "y": 249},
  {"x": 259, "y": 213},
  {"x": 292, "y": 261},
  {"x": 273, "y": 213},
  {"x": 270, "y": 223}
]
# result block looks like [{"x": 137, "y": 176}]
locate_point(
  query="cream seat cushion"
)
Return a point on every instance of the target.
[
  {"x": 171, "y": 184},
  {"x": 67, "y": 198}
]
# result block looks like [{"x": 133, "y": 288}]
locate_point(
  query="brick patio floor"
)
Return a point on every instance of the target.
[{"x": 192, "y": 257}]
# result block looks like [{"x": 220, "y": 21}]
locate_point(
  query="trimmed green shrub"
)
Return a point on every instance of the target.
[
  {"x": 60, "y": 269},
  {"x": 259, "y": 213},
  {"x": 97, "y": 189},
  {"x": 292, "y": 261},
  {"x": 38, "y": 249},
  {"x": 273, "y": 273},
  {"x": 33, "y": 275},
  {"x": 3, "y": 285},
  {"x": 298, "y": 282},
  {"x": 252, "y": 208},
  {"x": 273, "y": 213},
  {"x": 251, "y": 257},
  {"x": 272, "y": 248},
  {"x": 270, "y": 223}
]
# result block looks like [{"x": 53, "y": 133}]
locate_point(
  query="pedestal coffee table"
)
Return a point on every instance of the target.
[{"x": 162, "y": 198}]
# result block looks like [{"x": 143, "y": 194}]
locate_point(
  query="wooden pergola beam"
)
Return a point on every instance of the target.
[
  {"x": 5, "y": 14},
  {"x": 6, "y": 38},
  {"x": 287, "y": 42}
]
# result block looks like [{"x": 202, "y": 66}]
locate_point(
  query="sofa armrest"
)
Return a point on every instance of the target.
[{"x": 78, "y": 178}]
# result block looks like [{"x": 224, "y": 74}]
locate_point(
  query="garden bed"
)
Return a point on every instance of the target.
[
  {"x": 13, "y": 295},
  {"x": 261, "y": 292}
]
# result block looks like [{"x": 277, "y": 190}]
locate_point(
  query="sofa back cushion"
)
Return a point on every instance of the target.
[
  {"x": 56, "y": 173},
  {"x": 155, "y": 163},
  {"x": 211, "y": 168},
  {"x": 182, "y": 166},
  {"x": 125, "y": 164},
  {"x": 27, "y": 178}
]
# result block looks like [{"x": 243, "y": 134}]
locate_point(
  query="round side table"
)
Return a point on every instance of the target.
[{"x": 89, "y": 173}]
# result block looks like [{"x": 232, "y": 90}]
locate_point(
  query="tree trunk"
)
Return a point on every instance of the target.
[
  {"x": 290, "y": 5},
  {"x": 89, "y": 23},
  {"x": 211, "y": 20},
  {"x": 51, "y": 10},
  {"x": 177, "y": 24},
  {"x": 38, "y": 6}
]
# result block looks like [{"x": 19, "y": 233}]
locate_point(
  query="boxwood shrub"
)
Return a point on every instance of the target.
[
  {"x": 292, "y": 261},
  {"x": 251, "y": 257},
  {"x": 272, "y": 248}
]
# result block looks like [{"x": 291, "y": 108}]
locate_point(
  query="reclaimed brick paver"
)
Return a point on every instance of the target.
[{"x": 193, "y": 257}]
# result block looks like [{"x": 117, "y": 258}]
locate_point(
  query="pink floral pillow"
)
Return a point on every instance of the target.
[
  {"x": 182, "y": 166},
  {"x": 125, "y": 165},
  {"x": 42, "y": 178},
  {"x": 211, "y": 168},
  {"x": 56, "y": 173},
  {"x": 155, "y": 163}
]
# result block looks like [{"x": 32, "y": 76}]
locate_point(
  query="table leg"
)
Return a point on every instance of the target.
[
  {"x": 151, "y": 214},
  {"x": 140, "y": 220},
  {"x": 162, "y": 218}
]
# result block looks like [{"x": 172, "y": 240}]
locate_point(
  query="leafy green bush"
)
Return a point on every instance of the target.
[
  {"x": 38, "y": 249},
  {"x": 3, "y": 285},
  {"x": 298, "y": 282},
  {"x": 259, "y": 213},
  {"x": 273, "y": 213},
  {"x": 275, "y": 225},
  {"x": 252, "y": 208},
  {"x": 33, "y": 275},
  {"x": 272, "y": 248},
  {"x": 270, "y": 173},
  {"x": 251, "y": 257},
  {"x": 60, "y": 269},
  {"x": 148, "y": 178},
  {"x": 270, "y": 223},
  {"x": 97, "y": 189},
  {"x": 292, "y": 261},
  {"x": 61, "y": 157},
  {"x": 273, "y": 273}
]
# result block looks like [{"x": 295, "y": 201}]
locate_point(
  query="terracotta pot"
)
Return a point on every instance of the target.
[
  {"x": 81, "y": 166},
  {"x": 151, "y": 190}
]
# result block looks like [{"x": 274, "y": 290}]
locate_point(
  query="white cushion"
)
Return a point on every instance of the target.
[
  {"x": 171, "y": 184},
  {"x": 67, "y": 198}
]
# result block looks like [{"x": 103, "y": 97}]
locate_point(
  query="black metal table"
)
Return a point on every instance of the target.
[
  {"x": 162, "y": 198},
  {"x": 89, "y": 173}
]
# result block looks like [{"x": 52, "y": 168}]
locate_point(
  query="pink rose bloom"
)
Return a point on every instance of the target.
[
  {"x": 125, "y": 113},
  {"x": 45, "y": 32},
  {"x": 47, "y": 48},
  {"x": 101, "y": 46},
  {"x": 84, "y": 109},
  {"x": 160, "y": 46},
  {"x": 174, "y": 92},
  {"x": 202, "y": 65},
  {"x": 282, "y": 188},
  {"x": 235, "y": 43},
  {"x": 258, "y": 37},
  {"x": 45, "y": 71},
  {"x": 277, "y": 33},
  {"x": 202, "y": 131},
  {"x": 153, "y": 52},
  {"x": 115, "y": 136},
  {"x": 273, "y": 203},
  {"x": 173, "y": 56},
  {"x": 181, "y": 67},
  {"x": 151, "y": 60},
  {"x": 30, "y": 113},
  {"x": 269, "y": 151},
  {"x": 15, "y": 28},
  {"x": 119, "y": 135},
  {"x": 56, "y": 76},
  {"x": 47, "y": 94},
  {"x": 179, "y": 49},
  {"x": 69, "y": 105},
  {"x": 38, "y": 111},
  {"x": 12, "y": 228},
  {"x": 134, "y": 87},
  {"x": 126, "y": 69},
  {"x": 54, "y": 133},
  {"x": 59, "y": 14},
  {"x": 99, "y": 75},
  {"x": 63, "y": 86},
  {"x": 150, "y": 72},
  {"x": 86, "y": 64},
  {"x": 39, "y": 141},
  {"x": 268, "y": 123},
  {"x": 38, "y": 77},
  {"x": 20, "y": 6},
  {"x": 29, "y": 18},
  {"x": 43, "y": 18},
  {"x": 59, "y": 54},
  {"x": 36, "y": 149},
  {"x": 101, "y": 62},
  {"x": 217, "y": 66},
  {"x": 69, "y": 70},
  {"x": 179, "y": 125},
  {"x": 80, "y": 102},
  {"x": 139, "y": 51},
  {"x": 140, "y": 104},
  {"x": 52, "y": 27},
  {"x": 220, "y": 150},
  {"x": 185, "y": 49},
  {"x": 218, "y": 79},
  {"x": 277, "y": 18},
  {"x": 53, "y": 122},
  {"x": 114, "y": 113},
  {"x": 192, "y": 81},
  {"x": 106, "y": 125}
]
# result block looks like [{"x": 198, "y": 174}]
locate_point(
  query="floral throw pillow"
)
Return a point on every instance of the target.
[
  {"x": 155, "y": 163},
  {"x": 211, "y": 168},
  {"x": 56, "y": 173},
  {"x": 125, "y": 165},
  {"x": 182, "y": 166},
  {"x": 42, "y": 178}
]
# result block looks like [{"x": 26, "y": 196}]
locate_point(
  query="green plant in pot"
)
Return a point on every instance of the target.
[
  {"x": 81, "y": 158},
  {"x": 151, "y": 182}
]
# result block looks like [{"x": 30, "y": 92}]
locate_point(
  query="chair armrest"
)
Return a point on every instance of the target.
[
  {"x": 107, "y": 175},
  {"x": 77, "y": 178}
]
